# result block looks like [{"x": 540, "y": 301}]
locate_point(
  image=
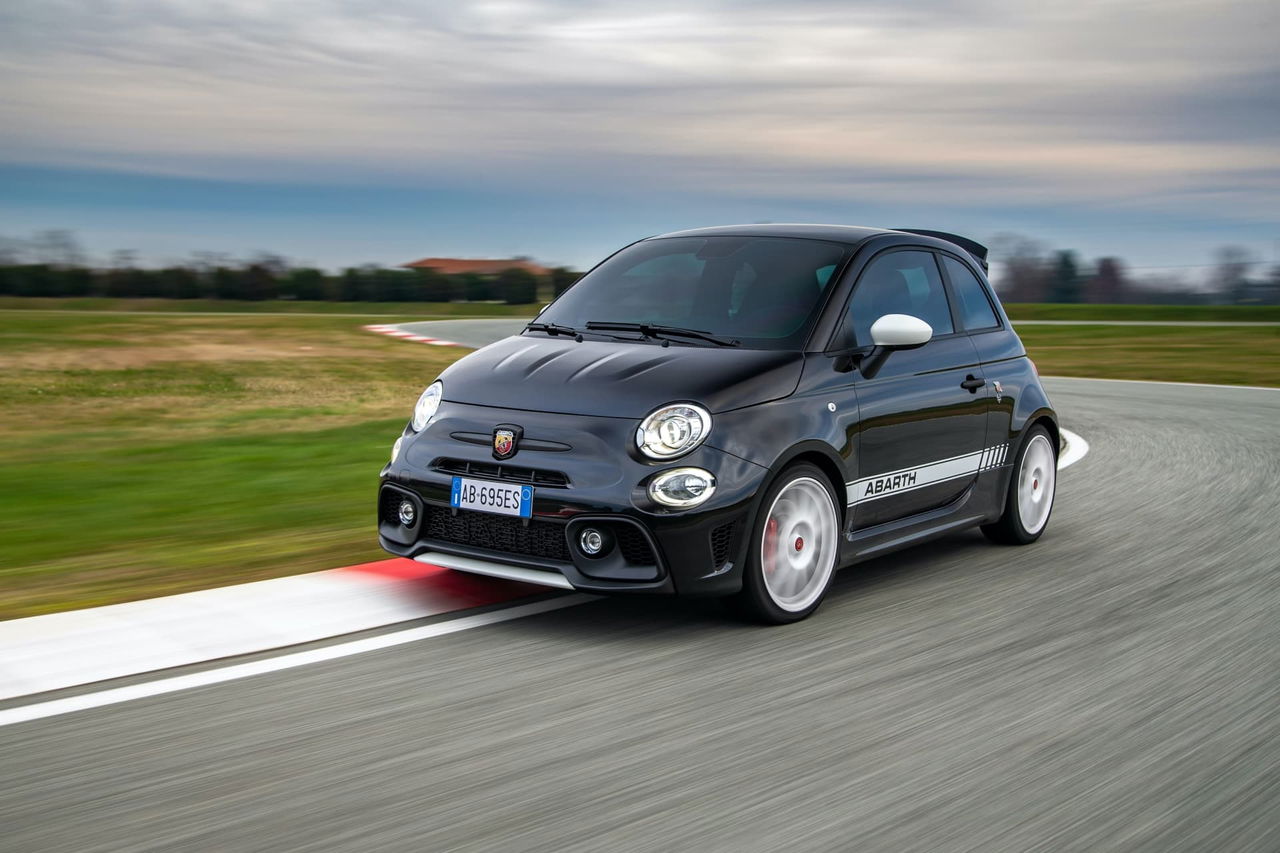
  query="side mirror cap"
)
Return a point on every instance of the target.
[{"x": 900, "y": 331}]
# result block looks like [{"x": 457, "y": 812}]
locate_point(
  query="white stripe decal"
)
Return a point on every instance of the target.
[
  {"x": 883, "y": 485},
  {"x": 910, "y": 479},
  {"x": 909, "y": 470}
]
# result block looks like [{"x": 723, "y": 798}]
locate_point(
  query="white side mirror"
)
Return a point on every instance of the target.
[{"x": 900, "y": 331}]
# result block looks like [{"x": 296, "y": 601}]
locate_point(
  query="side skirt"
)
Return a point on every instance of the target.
[{"x": 980, "y": 503}]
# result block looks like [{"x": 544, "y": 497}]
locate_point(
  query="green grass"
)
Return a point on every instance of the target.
[
  {"x": 1146, "y": 313},
  {"x": 408, "y": 310},
  {"x": 1247, "y": 355},
  {"x": 147, "y": 454}
]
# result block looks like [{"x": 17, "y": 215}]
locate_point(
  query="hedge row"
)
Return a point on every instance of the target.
[{"x": 260, "y": 281}]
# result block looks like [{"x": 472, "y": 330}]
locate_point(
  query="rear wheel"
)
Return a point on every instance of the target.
[
  {"x": 794, "y": 548},
  {"x": 1031, "y": 490}
]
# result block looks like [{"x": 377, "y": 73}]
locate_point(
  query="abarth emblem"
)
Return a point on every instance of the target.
[
  {"x": 999, "y": 391},
  {"x": 505, "y": 442}
]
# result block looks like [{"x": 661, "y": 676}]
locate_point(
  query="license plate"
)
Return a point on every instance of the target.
[{"x": 488, "y": 496}]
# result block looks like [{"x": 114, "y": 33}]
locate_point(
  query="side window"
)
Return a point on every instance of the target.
[
  {"x": 898, "y": 283},
  {"x": 975, "y": 308}
]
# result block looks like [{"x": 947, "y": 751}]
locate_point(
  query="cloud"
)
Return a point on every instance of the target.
[{"x": 1089, "y": 101}]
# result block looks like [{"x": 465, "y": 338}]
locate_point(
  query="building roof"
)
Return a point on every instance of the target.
[{"x": 479, "y": 266}]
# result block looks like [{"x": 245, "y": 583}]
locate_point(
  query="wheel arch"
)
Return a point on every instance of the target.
[
  {"x": 824, "y": 457},
  {"x": 1041, "y": 417},
  {"x": 1051, "y": 424}
]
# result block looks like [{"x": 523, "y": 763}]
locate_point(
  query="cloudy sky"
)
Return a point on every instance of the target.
[{"x": 382, "y": 130}]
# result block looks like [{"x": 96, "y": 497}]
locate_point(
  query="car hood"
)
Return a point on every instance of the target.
[{"x": 617, "y": 379}]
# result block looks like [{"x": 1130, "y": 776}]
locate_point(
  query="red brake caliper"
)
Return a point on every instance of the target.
[{"x": 770, "y": 545}]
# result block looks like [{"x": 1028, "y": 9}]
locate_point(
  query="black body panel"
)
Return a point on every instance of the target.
[{"x": 617, "y": 378}]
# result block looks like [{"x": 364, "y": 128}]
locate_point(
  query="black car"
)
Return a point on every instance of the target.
[{"x": 733, "y": 411}]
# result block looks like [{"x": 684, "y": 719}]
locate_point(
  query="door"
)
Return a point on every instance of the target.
[{"x": 923, "y": 416}]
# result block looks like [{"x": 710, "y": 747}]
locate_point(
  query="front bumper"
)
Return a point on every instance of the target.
[{"x": 585, "y": 472}]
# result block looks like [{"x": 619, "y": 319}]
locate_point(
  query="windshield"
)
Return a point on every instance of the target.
[{"x": 761, "y": 291}]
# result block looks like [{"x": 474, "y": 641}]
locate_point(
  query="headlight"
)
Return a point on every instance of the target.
[
  {"x": 673, "y": 430},
  {"x": 682, "y": 487},
  {"x": 425, "y": 410}
]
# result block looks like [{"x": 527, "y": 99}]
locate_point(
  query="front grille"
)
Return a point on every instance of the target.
[
  {"x": 721, "y": 540},
  {"x": 634, "y": 546},
  {"x": 542, "y": 539},
  {"x": 502, "y": 471}
]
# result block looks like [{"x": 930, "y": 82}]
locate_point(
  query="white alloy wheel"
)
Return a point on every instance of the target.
[
  {"x": 799, "y": 544},
  {"x": 1037, "y": 477}
]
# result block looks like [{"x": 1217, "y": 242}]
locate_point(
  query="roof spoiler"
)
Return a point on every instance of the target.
[{"x": 974, "y": 248}]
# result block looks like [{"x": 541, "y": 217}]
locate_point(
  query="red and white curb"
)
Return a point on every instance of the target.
[
  {"x": 396, "y": 332},
  {"x": 43, "y": 653}
]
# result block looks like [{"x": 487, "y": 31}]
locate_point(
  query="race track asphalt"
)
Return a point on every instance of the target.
[{"x": 1114, "y": 687}]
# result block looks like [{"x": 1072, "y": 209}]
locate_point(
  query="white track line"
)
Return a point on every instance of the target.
[
  {"x": 114, "y": 696},
  {"x": 1076, "y": 448}
]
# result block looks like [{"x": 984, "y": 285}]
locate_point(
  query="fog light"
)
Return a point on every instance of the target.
[
  {"x": 682, "y": 487},
  {"x": 408, "y": 515},
  {"x": 591, "y": 541}
]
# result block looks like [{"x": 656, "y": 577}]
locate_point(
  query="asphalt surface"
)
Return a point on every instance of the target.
[{"x": 1114, "y": 687}]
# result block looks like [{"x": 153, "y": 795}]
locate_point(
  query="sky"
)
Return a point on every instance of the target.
[{"x": 338, "y": 132}]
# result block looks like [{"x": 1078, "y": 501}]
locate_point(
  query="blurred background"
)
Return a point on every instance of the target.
[{"x": 199, "y": 201}]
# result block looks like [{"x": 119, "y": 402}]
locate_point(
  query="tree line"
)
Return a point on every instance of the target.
[
  {"x": 258, "y": 281},
  {"x": 1027, "y": 270},
  {"x": 51, "y": 264},
  {"x": 1024, "y": 270}
]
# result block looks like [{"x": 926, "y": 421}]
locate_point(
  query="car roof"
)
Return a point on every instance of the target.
[{"x": 852, "y": 235}]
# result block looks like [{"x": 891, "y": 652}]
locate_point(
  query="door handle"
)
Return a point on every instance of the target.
[{"x": 972, "y": 384}]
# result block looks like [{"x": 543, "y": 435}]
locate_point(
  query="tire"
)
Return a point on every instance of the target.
[
  {"x": 782, "y": 582},
  {"x": 1032, "y": 487}
]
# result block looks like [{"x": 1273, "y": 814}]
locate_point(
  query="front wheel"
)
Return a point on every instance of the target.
[
  {"x": 1031, "y": 489},
  {"x": 794, "y": 548}
]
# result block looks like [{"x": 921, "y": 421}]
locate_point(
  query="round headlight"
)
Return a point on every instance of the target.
[
  {"x": 425, "y": 410},
  {"x": 682, "y": 487},
  {"x": 673, "y": 430}
]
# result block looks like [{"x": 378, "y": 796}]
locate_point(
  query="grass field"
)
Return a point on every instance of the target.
[
  {"x": 1145, "y": 313},
  {"x": 1214, "y": 354},
  {"x": 147, "y": 454}
]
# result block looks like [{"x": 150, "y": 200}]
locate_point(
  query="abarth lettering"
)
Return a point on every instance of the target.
[{"x": 889, "y": 484}]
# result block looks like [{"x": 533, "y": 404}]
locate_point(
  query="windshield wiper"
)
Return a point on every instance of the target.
[
  {"x": 553, "y": 329},
  {"x": 654, "y": 331}
]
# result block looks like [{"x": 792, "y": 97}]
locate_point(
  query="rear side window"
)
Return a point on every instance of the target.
[
  {"x": 975, "y": 307},
  {"x": 898, "y": 283}
]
